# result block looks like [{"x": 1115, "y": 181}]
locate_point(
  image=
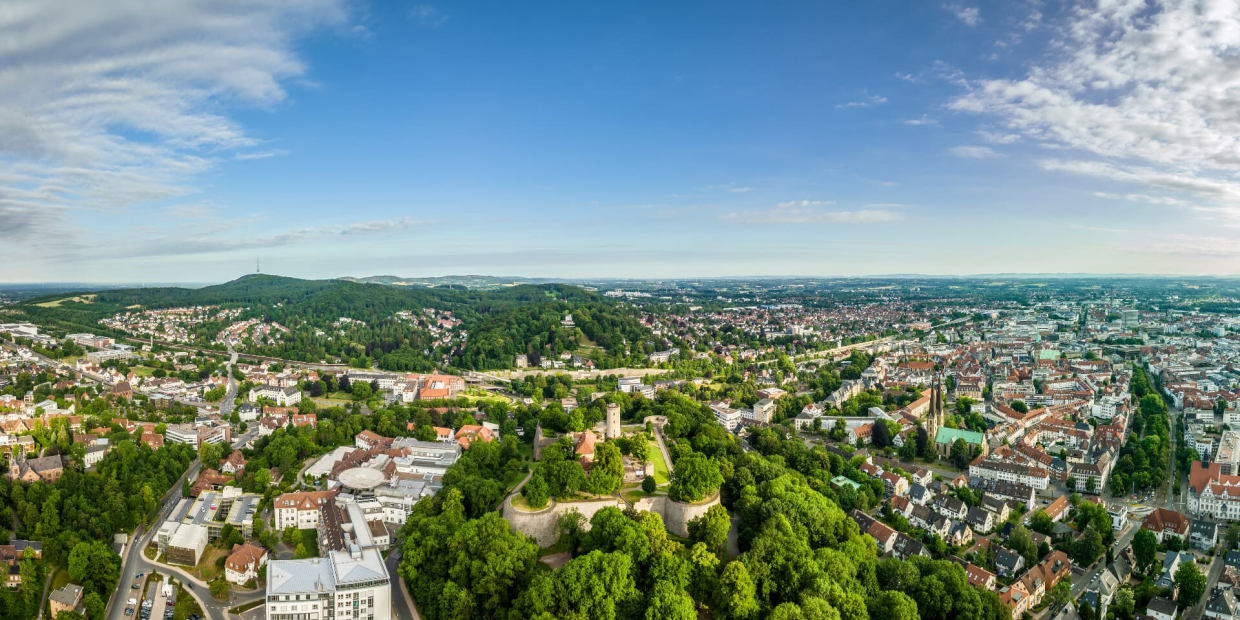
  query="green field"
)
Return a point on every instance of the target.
[
  {"x": 661, "y": 474},
  {"x": 310, "y": 538}
]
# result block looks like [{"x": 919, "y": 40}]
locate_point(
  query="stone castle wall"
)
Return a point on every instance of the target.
[{"x": 542, "y": 524}]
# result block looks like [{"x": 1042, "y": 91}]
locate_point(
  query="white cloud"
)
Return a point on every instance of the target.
[
  {"x": 812, "y": 212},
  {"x": 109, "y": 105},
  {"x": 1146, "y": 198},
  {"x": 211, "y": 236},
  {"x": 974, "y": 152},
  {"x": 1147, "y": 87},
  {"x": 923, "y": 121},
  {"x": 1196, "y": 246},
  {"x": 907, "y": 77},
  {"x": 864, "y": 103},
  {"x": 970, "y": 15},
  {"x": 998, "y": 138},
  {"x": 1099, "y": 229},
  {"x": 428, "y": 16},
  {"x": 740, "y": 190}
]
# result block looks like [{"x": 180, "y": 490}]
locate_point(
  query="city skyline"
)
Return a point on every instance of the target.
[{"x": 640, "y": 141}]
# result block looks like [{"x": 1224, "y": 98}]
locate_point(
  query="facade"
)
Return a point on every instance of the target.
[
  {"x": 1213, "y": 494},
  {"x": 345, "y": 585},
  {"x": 945, "y": 437},
  {"x": 243, "y": 564},
  {"x": 281, "y": 396},
  {"x": 993, "y": 469},
  {"x": 613, "y": 421},
  {"x": 1164, "y": 523},
  {"x": 187, "y": 544},
  {"x": 300, "y": 510},
  {"x": 66, "y": 598}
]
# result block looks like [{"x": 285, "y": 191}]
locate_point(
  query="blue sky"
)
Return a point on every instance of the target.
[{"x": 636, "y": 139}]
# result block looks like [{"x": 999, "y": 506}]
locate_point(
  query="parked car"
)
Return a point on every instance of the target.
[
  {"x": 128, "y": 611},
  {"x": 133, "y": 587}
]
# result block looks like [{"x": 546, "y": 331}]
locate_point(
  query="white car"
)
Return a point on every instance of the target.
[{"x": 131, "y": 601}]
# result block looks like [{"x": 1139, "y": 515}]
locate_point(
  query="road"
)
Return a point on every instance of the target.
[
  {"x": 135, "y": 562},
  {"x": 402, "y": 603},
  {"x": 1216, "y": 570},
  {"x": 1082, "y": 583}
]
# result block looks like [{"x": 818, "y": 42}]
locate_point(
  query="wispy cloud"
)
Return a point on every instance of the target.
[
  {"x": 208, "y": 237},
  {"x": 1098, "y": 229},
  {"x": 1146, "y": 198},
  {"x": 113, "y": 105},
  {"x": 428, "y": 16},
  {"x": 974, "y": 152},
  {"x": 923, "y": 121},
  {"x": 811, "y": 212},
  {"x": 872, "y": 100},
  {"x": 970, "y": 15},
  {"x": 1146, "y": 88},
  {"x": 994, "y": 137}
]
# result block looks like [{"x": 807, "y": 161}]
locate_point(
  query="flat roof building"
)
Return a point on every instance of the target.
[{"x": 351, "y": 584}]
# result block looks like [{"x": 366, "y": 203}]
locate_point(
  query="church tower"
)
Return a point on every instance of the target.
[{"x": 936, "y": 417}]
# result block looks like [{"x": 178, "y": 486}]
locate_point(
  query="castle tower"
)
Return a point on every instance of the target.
[{"x": 613, "y": 421}]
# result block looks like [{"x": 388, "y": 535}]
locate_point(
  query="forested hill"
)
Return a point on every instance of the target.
[{"x": 487, "y": 328}]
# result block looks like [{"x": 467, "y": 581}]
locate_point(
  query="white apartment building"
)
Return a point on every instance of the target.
[
  {"x": 1106, "y": 407},
  {"x": 182, "y": 433},
  {"x": 730, "y": 418},
  {"x": 300, "y": 510},
  {"x": 345, "y": 585},
  {"x": 989, "y": 469},
  {"x": 281, "y": 396},
  {"x": 762, "y": 411}
]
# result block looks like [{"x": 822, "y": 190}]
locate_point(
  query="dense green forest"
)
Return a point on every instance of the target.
[
  {"x": 495, "y": 325},
  {"x": 801, "y": 556},
  {"x": 76, "y": 517}
]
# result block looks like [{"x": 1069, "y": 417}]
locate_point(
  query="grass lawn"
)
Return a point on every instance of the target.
[
  {"x": 59, "y": 579},
  {"x": 150, "y": 551},
  {"x": 246, "y": 607},
  {"x": 310, "y": 538},
  {"x": 206, "y": 570},
  {"x": 661, "y": 474},
  {"x": 632, "y": 495},
  {"x": 485, "y": 397},
  {"x": 513, "y": 480},
  {"x": 84, "y": 299},
  {"x": 518, "y": 502},
  {"x": 559, "y": 547},
  {"x": 343, "y": 397}
]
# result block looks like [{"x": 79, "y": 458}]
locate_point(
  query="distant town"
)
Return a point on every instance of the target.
[{"x": 902, "y": 448}]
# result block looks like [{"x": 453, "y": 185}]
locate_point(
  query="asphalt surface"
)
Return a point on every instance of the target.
[
  {"x": 402, "y": 603},
  {"x": 135, "y": 563}
]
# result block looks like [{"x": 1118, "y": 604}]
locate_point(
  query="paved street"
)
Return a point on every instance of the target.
[
  {"x": 402, "y": 603},
  {"x": 135, "y": 562}
]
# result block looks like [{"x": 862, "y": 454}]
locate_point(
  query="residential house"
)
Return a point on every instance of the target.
[
  {"x": 1008, "y": 563},
  {"x": 1222, "y": 605},
  {"x": 1160, "y": 608},
  {"x": 243, "y": 563},
  {"x": 1203, "y": 535},
  {"x": 1163, "y": 523},
  {"x": 65, "y": 598},
  {"x": 980, "y": 519}
]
